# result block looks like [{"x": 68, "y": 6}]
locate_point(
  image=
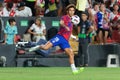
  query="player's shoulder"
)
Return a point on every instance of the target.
[
  {"x": 33, "y": 24},
  {"x": 65, "y": 17}
]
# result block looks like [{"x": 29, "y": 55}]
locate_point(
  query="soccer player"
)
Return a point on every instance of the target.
[
  {"x": 84, "y": 30},
  {"x": 62, "y": 37},
  {"x": 10, "y": 32}
]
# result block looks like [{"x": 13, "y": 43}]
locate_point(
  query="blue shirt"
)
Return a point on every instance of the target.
[
  {"x": 102, "y": 23},
  {"x": 10, "y": 31},
  {"x": 100, "y": 16}
]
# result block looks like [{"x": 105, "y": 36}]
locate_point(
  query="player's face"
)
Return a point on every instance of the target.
[
  {"x": 14, "y": 23},
  {"x": 116, "y": 7},
  {"x": 102, "y": 7},
  {"x": 37, "y": 22},
  {"x": 84, "y": 17},
  {"x": 96, "y": 7},
  {"x": 71, "y": 11}
]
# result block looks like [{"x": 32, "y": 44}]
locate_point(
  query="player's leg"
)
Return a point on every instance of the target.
[
  {"x": 80, "y": 52},
  {"x": 56, "y": 40},
  {"x": 44, "y": 47},
  {"x": 100, "y": 36},
  {"x": 70, "y": 53},
  {"x": 105, "y": 36},
  {"x": 47, "y": 46}
]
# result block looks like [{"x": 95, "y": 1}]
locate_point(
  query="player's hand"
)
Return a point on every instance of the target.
[
  {"x": 62, "y": 22},
  {"x": 105, "y": 16}
]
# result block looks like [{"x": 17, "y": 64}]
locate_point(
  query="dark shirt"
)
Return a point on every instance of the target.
[{"x": 84, "y": 26}]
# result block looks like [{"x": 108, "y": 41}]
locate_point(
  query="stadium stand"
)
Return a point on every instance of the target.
[{"x": 23, "y": 23}]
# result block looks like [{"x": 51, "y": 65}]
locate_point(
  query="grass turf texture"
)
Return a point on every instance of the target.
[{"x": 59, "y": 73}]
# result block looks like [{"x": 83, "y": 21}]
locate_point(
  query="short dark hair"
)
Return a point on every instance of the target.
[
  {"x": 95, "y": 3},
  {"x": 116, "y": 4},
  {"x": 21, "y": 4},
  {"x": 10, "y": 5},
  {"x": 11, "y": 20},
  {"x": 85, "y": 12}
]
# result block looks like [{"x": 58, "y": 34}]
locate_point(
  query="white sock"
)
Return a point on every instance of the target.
[{"x": 73, "y": 67}]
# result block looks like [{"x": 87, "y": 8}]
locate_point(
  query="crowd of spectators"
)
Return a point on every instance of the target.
[{"x": 104, "y": 15}]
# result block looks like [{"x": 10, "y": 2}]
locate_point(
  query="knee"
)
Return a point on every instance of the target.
[
  {"x": 45, "y": 48},
  {"x": 71, "y": 54}
]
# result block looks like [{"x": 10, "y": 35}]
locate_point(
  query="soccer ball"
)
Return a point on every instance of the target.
[{"x": 75, "y": 19}]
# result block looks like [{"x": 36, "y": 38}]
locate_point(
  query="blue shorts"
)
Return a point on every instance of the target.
[{"x": 60, "y": 41}]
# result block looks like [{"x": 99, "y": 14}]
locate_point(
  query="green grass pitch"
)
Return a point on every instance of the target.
[{"x": 59, "y": 73}]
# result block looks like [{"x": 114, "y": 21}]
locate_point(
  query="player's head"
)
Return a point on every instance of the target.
[
  {"x": 12, "y": 21},
  {"x": 70, "y": 9},
  {"x": 38, "y": 21},
  {"x": 84, "y": 15},
  {"x": 9, "y": 6},
  {"x": 102, "y": 7},
  {"x": 116, "y": 7},
  {"x": 21, "y": 6}
]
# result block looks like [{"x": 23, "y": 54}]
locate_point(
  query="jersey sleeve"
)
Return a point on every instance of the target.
[
  {"x": 32, "y": 27},
  {"x": 43, "y": 25},
  {"x": 6, "y": 30}
]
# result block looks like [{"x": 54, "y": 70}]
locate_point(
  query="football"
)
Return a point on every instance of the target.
[{"x": 75, "y": 19}]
